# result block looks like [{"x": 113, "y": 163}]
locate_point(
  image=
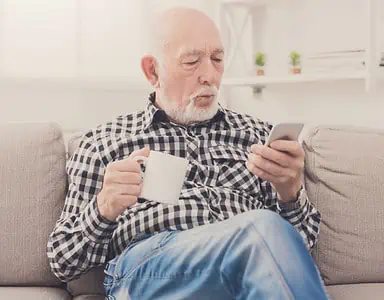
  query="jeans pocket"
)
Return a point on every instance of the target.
[
  {"x": 109, "y": 277},
  {"x": 166, "y": 237}
]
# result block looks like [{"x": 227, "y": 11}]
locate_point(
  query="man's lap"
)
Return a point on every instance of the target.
[{"x": 175, "y": 257}]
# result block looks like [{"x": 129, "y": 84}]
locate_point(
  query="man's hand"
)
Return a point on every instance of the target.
[
  {"x": 121, "y": 186},
  {"x": 281, "y": 164}
]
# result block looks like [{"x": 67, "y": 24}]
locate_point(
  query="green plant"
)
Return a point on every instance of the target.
[
  {"x": 260, "y": 59},
  {"x": 295, "y": 58}
]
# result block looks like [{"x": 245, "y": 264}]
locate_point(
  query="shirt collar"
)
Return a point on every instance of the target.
[{"x": 153, "y": 114}]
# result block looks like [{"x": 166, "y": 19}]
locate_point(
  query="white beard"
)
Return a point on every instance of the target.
[{"x": 192, "y": 113}]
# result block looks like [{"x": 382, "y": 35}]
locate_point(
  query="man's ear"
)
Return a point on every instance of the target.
[{"x": 149, "y": 67}]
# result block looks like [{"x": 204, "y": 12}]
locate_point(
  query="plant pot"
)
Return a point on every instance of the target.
[
  {"x": 296, "y": 70},
  {"x": 260, "y": 72}
]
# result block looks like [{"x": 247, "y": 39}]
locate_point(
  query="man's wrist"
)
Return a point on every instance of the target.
[
  {"x": 296, "y": 203},
  {"x": 290, "y": 197}
]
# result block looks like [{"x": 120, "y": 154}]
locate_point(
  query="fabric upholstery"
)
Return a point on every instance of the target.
[
  {"x": 89, "y": 297},
  {"x": 368, "y": 291},
  {"x": 74, "y": 142},
  {"x": 345, "y": 181},
  {"x": 32, "y": 191},
  {"x": 32, "y": 293}
]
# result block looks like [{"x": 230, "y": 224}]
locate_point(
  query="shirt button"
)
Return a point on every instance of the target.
[{"x": 190, "y": 132}]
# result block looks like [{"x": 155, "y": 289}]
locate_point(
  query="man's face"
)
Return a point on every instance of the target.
[{"x": 190, "y": 77}]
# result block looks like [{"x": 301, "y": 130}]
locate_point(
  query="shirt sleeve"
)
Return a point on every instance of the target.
[
  {"x": 81, "y": 236},
  {"x": 302, "y": 214}
]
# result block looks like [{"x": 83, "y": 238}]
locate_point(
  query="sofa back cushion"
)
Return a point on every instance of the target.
[
  {"x": 32, "y": 192},
  {"x": 344, "y": 176}
]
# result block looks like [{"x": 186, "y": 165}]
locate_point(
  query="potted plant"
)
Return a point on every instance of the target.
[
  {"x": 295, "y": 62},
  {"x": 260, "y": 63}
]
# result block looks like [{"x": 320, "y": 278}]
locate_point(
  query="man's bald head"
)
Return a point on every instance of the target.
[
  {"x": 185, "y": 64},
  {"x": 175, "y": 25}
]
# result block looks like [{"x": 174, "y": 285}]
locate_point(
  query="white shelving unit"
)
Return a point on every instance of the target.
[
  {"x": 263, "y": 81},
  {"x": 371, "y": 74}
]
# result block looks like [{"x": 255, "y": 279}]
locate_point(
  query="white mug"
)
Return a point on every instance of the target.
[{"x": 163, "y": 178}]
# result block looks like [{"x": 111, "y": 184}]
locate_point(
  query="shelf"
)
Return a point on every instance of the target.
[
  {"x": 247, "y": 3},
  {"x": 262, "y": 81}
]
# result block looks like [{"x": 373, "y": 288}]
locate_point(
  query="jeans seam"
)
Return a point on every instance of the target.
[
  {"x": 276, "y": 268},
  {"x": 153, "y": 253}
]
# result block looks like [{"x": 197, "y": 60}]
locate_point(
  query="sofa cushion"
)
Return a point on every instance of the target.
[
  {"x": 32, "y": 192},
  {"x": 344, "y": 176},
  {"x": 41, "y": 293},
  {"x": 89, "y": 297},
  {"x": 369, "y": 291},
  {"x": 89, "y": 283}
]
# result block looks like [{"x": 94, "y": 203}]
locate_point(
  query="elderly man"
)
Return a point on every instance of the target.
[{"x": 242, "y": 226}]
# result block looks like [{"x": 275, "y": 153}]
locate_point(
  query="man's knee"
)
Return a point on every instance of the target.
[
  {"x": 262, "y": 218},
  {"x": 266, "y": 223}
]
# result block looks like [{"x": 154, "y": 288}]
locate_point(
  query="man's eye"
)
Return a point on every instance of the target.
[
  {"x": 217, "y": 59},
  {"x": 191, "y": 63}
]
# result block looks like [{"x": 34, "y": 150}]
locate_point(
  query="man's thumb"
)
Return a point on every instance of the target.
[{"x": 141, "y": 152}]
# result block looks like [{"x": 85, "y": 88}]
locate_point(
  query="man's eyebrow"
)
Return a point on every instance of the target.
[
  {"x": 218, "y": 51},
  {"x": 189, "y": 52},
  {"x": 193, "y": 52}
]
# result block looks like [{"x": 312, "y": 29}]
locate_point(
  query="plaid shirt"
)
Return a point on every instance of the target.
[{"x": 217, "y": 186}]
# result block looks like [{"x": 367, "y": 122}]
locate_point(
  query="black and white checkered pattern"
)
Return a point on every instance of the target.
[{"x": 217, "y": 185}]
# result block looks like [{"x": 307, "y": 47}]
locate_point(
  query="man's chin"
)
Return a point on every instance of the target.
[
  {"x": 204, "y": 102},
  {"x": 201, "y": 114}
]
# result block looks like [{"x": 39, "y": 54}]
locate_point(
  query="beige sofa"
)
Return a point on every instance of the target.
[{"x": 344, "y": 178}]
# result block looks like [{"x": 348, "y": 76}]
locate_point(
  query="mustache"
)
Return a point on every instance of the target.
[{"x": 207, "y": 90}]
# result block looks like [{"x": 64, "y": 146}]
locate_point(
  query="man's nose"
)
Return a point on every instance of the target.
[{"x": 208, "y": 73}]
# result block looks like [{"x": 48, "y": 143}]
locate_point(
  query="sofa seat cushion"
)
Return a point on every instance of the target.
[
  {"x": 89, "y": 283},
  {"x": 41, "y": 293},
  {"x": 371, "y": 291},
  {"x": 89, "y": 297},
  {"x": 344, "y": 177}
]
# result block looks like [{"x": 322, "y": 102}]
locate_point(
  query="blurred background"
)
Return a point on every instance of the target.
[{"x": 77, "y": 62}]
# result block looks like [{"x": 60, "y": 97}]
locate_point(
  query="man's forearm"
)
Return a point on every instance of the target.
[
  {"x": 303, "y": 216},
  {"x": 79, "y": 242}
]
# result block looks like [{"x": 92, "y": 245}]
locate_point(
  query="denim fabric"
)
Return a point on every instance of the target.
[{"x": 254, "y": 255}]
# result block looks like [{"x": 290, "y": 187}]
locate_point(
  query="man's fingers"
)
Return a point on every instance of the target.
[
  {"x": 259, "y": 172},
  {"x": 117, "y": 190},
  {"x": 126, "y": 201},
  {"x": 141, "y": 152},
  {"x": 265, "y": 164},
  {"x": 123, "y": 178},
  {"x": 124, "y": 165},
  {"x": 281, "y": 158},
  {"x": 129, "y": 164},
  {"x": 291, "y": 147}
]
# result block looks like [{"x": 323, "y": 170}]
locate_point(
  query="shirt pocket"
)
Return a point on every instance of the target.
[{"x": 232, "y": 171}]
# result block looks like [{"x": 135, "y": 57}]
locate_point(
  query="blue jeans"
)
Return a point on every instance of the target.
[{"x": 254, "y": 255}]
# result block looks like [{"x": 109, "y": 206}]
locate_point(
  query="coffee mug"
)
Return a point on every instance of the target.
[{"x": 163, "y": 178}]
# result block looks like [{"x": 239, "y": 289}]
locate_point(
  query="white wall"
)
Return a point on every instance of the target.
[
  {"x": 310, "y": 26},
  {"x": 86, "y": 53}
]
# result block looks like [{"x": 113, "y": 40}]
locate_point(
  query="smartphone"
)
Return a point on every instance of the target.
[{"x": 285, "y": 131}]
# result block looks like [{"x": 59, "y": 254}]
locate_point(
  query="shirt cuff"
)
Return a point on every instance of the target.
[
  {"x": 300, "y": 202},
  {"x": 97, "y": 228}
]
